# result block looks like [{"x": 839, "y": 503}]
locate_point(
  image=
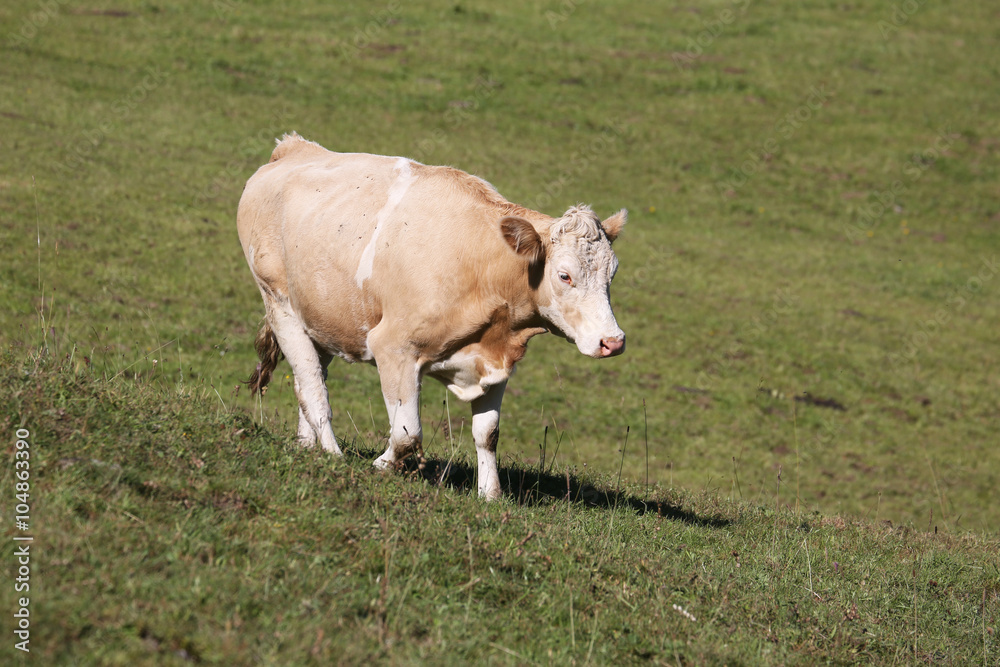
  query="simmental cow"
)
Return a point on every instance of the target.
[{"x": 422, "y": 271}]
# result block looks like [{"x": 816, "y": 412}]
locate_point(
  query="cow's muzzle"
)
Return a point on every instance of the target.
[{"x": 611, "y": 347}]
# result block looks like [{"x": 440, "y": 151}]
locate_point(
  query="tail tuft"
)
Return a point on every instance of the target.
[{"x": 269, "y": 354}]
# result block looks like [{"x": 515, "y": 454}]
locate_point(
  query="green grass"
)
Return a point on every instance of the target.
[
  {"x": 768, "y": 256},
  {"x": 170, "y": 530}
]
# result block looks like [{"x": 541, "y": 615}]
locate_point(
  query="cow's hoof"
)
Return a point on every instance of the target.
[
  {"x": 383, "y": 463},
  {"x": 491, "y": 494}
]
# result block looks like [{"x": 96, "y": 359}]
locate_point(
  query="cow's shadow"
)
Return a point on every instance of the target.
[{"x": 530, "y": 486}]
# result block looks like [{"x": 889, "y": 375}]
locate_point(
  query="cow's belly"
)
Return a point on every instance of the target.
[
  {"x": 340, "y": 327},
  {"x": 468, "y": 375}
]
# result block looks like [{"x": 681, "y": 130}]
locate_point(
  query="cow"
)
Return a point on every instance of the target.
[{"x": 422, "y": 271}]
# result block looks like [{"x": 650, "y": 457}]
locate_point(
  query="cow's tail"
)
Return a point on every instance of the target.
[{"x": 269, "y": 354}]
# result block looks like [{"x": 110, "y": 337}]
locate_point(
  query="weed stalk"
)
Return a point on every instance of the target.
[
  {"x": 795, "y": 436},
  {"x": 645, "y": 440},
  {"x": 621, "y": 464}
]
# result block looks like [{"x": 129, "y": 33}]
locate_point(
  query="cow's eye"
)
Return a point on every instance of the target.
[{"x": 563, "y": 276}]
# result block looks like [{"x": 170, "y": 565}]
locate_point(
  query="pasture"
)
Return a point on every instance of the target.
[{"x": 798, "y": 448}]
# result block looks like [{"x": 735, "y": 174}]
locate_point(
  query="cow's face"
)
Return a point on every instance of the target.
[{"x": 574, "y": 291}]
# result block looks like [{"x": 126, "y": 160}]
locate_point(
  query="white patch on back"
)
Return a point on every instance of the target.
[{"x": 396, "y": 193}]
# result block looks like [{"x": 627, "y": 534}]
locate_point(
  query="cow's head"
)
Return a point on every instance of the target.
[{"x": 576, "y": 265}]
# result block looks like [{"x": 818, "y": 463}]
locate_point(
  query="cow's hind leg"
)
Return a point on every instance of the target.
[
  {"x": 306, "y": 433},
  {"x": 310, "y": 379}
]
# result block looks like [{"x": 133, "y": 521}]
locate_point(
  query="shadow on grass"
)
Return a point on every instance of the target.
[{"x": 530, "y": 486}]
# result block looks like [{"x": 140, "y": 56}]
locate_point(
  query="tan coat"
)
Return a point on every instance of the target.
[{"x": 420, "y": 270}]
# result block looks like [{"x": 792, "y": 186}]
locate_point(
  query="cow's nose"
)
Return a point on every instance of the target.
[{"x": 612, "y": 346}]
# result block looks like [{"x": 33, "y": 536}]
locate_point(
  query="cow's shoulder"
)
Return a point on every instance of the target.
[{"x": 485, "y": 358}]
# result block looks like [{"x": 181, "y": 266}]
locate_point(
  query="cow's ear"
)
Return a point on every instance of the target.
[
  {"x": 613, "y": 225},
  {"x": 521, "y": 236}
]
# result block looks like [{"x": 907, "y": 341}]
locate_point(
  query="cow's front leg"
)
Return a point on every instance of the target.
[
  {"x": 401, "y": 391},
  {"x": 486, "y": 433}
]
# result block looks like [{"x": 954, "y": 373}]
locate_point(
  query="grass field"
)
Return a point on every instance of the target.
[{"x": 808, "y": 283}]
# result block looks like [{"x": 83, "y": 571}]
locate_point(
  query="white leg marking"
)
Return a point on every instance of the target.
[
  {"x": 400, "y": 373},
  {"x": 405, "y": 430},
  {"x": 396, "y": 192},
  {"x": 310, "y": 388},
  {"x": 486, "y": 432},
  {"x": 307, "y": 436}
]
